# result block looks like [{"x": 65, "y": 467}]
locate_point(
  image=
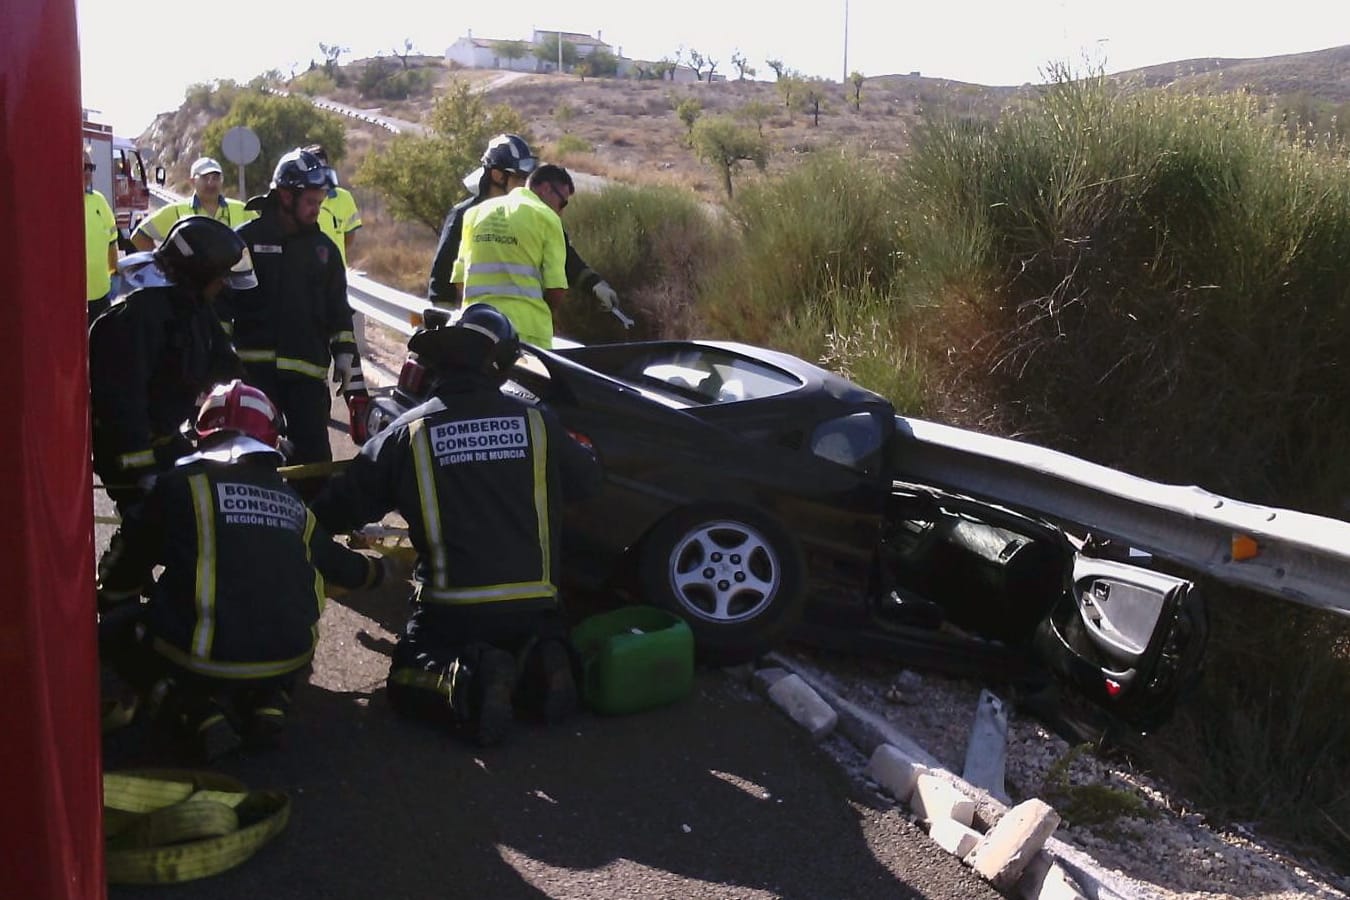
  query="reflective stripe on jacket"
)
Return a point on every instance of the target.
[
  {"x": 245, "y": 564},
  {"x": 298, "y": 315},
  {"x": 512, "y": 249},
  {"x": 480, "y": 478}
]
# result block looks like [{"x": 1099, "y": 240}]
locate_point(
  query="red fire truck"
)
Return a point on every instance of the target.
[{"x": 120, "y": 176}]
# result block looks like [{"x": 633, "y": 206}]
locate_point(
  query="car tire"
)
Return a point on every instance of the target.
[{"x": 734, "y": 575}]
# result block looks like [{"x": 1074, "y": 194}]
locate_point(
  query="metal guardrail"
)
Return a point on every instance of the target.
[{"x": 391, "y": 308}]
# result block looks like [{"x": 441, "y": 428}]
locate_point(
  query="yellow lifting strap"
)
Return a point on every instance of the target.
[{"x": 166, "y": 825}]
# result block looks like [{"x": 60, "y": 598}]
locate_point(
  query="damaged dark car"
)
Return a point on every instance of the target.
[{"x": 763, "y": 498}]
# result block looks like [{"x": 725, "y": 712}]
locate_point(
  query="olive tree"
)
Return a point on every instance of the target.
[
  {"x": 724, "y": 145},
  {"x": 421, "y": 175}
]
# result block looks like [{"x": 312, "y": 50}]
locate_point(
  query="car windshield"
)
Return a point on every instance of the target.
[{"x": 707, "y": 375}]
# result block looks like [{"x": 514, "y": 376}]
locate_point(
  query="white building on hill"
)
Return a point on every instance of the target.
[{"x": 518, "y": 55}]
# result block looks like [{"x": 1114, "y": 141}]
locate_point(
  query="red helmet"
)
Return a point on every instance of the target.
[{"x": 238, "y": 408}]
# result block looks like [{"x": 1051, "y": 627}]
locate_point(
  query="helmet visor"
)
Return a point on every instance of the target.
[
  {"x": 322, "y": 176},
  {"x": 317, "y": 177},
  {"x": 526, "y": 164},
  {"x": 241, "y": 277}
]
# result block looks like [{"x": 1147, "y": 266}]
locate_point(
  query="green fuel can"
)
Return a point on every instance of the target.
[{"x": 634, "y": 658}]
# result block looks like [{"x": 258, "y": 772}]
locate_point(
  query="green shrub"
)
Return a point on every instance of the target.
[
  {"x": 832, "y": 223},
  {"x": 570, "y": 143},
  {"x": 655, "y": 246},
  {"x": 315, "y": 83},
  {"x": 1165, "y": 292}
]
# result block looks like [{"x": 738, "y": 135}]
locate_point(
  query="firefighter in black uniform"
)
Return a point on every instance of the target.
[
  {"x": 296, "y": 323},
  {"x": 506, "y": 164},
  {"x": 480, "y": 477},
  {"x": 233, "y": 618},
  {"x": 152, "y": 357}
]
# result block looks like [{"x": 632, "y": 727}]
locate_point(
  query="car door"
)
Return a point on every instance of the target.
[{"x": 1130, "y": 639}]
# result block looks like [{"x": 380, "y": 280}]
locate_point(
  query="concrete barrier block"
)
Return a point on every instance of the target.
[
  {"x": 895, "y": 771},
  {"x": 935, "y": 798},
  {"x": 954, "y": 837},
  {"x": 1005, "y": 852},
  {"x": 796, "y": 698}
]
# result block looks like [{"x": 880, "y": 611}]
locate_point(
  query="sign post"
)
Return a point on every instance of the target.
[{"x": 241, "y": 147}]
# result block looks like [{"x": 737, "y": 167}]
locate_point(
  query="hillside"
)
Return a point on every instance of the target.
[
  {"x": 1322, "y": 75},
  {"x": 635, "y": 135},
  {"x": 629, "y": 131}
]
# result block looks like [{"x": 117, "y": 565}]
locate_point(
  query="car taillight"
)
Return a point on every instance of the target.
[
  {"x": 581, "y": 439},
  {"x": 412, "y": 378}
]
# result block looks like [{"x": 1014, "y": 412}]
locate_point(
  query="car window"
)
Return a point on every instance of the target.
[
  {"x": 712, "y": 376},
  {"x": 853, "y": 440}
]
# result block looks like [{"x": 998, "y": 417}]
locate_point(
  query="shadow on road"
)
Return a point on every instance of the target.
[{"x": 715, "y": 796}]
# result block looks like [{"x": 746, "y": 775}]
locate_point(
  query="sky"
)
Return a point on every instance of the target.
[{"x": 136, "y": 63}]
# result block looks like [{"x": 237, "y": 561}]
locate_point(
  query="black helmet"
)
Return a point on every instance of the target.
[
  {"x": 510, "y": 153},
  {"x": 199, "y": 249},
  {"x": 482, "y": 340},
  {"x": 300, "y": 169}
]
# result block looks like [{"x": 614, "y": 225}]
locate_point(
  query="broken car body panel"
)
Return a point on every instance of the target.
[{"x": 1300, "y": 557}]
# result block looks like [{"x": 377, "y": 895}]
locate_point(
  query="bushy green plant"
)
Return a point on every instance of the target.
[
  {"x": 830, "y": 224},
  {"x": 655, "y": 246},
  {"x": 571, "y": 143},
  {"x": 1163, "y": 266},
  {"x": 315, "y": 83},
  {"x": 1089, "y": 804}
]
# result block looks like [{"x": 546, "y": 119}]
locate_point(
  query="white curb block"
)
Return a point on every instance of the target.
[
  {"x": 936, "y": 799},
  {"x": 795, "y": 697},
  {"x": 896, "y": 772},
  {"x": 954, "y": 837}
]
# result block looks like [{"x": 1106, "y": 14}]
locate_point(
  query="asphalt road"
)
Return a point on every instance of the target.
[{"x": 716, "y": 796}]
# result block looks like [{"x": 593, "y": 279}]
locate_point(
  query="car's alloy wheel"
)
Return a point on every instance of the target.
[
  {"x": 734, "y": 575},
  {"x": 724, "y": 571}
]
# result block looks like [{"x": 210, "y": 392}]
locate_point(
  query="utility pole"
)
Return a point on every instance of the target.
[
  {"x": 844, "y": 80},
  {"x": 560, "y": 71}
]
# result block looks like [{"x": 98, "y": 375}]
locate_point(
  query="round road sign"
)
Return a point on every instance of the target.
[{"x": 240, "y": 145}]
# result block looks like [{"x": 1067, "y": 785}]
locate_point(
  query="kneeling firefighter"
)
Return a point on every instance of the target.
[
  {"x": 480, "y": 477},
  {"x": 233, "y": 618}
]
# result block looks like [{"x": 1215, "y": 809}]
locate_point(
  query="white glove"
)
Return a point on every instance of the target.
[{"x": 606, "y": 295}]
